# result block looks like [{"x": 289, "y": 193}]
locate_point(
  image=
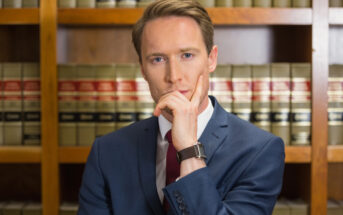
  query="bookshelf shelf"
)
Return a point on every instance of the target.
[
  {"x": 336, "y": 16},
  {"x": 298, "y": 154},
  {"x": 20, "y": 154},
  {"x": 335, "y": 154},
  {"x": 70, "y": 154},
  {"x": 22, "y": 16},
  {"x": 220, "y": 16}
]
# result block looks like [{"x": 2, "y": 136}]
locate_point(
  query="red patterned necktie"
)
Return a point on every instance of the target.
[{"x": 172, "y": 167}]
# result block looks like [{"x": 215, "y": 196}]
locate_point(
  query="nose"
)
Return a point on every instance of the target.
[{"x": 174, "y": 70}]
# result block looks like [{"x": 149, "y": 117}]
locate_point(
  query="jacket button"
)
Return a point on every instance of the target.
[
  {"x": 182, "y": 206},
  {"x": 179, "y": 199},
  {"x": 177, "y": 194}
]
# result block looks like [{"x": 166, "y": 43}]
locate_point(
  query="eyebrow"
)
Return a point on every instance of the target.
[{"x": 181, "y": 50}]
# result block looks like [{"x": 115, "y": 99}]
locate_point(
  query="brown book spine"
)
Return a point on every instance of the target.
[
  {"x": 31, "y": 94},
  {"x": 67, "y": 3},
  {"x": 301, "y": 3},
  {"x": 224, "y": 3},
  {"x": 221, "y": 86},
  {"x": 335, "y": 110},
  {"x": 207, "y": 3},
  {"x": 86, "y": 3},
  {"x": 262, "y": 3},
  {"x": 282, "y": 3},
  {"x": 145, "y": 103},
  {"x": 242, "y": 3},
  {"x": 336, "y": 3},
  {"x": 12, "y": 3},
  {"x": 67, "y": 104}
]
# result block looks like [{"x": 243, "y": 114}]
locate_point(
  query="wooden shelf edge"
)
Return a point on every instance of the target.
[
  {"x": 336, "y": 16},
  {"x": 20, "y": 16},
  {"x": 298, "y": 154},
  {"x": 20, "y": 154},
  {"x": 219, "y": 16},
  {"x": 73, "y": 154},
  {"x": 335, "y": 154}
]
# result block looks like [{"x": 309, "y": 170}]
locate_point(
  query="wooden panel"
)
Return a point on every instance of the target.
[
  {"x": 50, "y": 166},
  {"x": 335, "y": 181},
  {"x": 320, "y": 31},
  {"x": 335, "y": 154},
  {"x": 219, "y": 16},
  {"x": 20, "y": 154},
  {"x": 336, "y": 16},
  {"x": 20, "y": 16},
  {"x": 73, "y": 154},
  {"x": 296, "y": 154}
]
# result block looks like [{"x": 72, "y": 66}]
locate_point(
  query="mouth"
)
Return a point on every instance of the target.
[{"x": 184, "y": 92}]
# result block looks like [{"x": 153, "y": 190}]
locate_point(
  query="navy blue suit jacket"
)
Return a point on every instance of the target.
[{"x": 243, "y": 174}]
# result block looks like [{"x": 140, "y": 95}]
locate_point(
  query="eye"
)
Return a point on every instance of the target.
[
  {"x": 187, "y": 55},
  {"x": 158, "y": 60}
]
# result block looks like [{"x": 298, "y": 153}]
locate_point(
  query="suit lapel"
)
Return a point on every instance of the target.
[{"x": 147, "y": 164}]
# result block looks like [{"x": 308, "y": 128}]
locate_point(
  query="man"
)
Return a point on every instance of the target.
[{"x": 227, "y": 166}]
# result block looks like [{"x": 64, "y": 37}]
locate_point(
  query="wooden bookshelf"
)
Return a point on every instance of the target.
[
  {"x": 75, "y": 154},
  {"x": 298, "y": 154},
  {"x": 22, "y": 16},
  {"x": 336, "y": 16},
  {"x": 219, "y": 16},
  {"x": 335, "y": 154},
  {"x": 20, "y": 154}
]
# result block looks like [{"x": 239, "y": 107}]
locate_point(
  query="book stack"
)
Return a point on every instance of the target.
[
  {"x": 20, "y": 208},
  {"x": 221, "y": 86},
  {"x": 19, "y": 3},
  {"x": 68, "y": 208},
  {"x": 336, "y": 3},
  {"x": 290, "y": 207},
  {"x": 335, "y": 109}
]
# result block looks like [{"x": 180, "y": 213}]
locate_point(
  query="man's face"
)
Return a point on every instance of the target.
[{"x": 174, "y": 55}]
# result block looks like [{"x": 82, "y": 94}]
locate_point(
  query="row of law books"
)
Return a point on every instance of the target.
[
  {"x": 103, "y": 3},
  {"x": 19, "y": 104},
  {"x": 30, "y": 208},
  {"x": 19, "y": 3}
]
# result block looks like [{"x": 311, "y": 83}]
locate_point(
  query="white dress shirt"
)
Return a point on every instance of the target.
[{"x": 162, "y": 145}]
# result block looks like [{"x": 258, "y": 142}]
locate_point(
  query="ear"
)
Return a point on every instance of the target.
[{"x": 212, "y": 59}]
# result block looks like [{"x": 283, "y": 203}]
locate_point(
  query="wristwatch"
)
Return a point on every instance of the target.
[{"x": 196, "y": 151}]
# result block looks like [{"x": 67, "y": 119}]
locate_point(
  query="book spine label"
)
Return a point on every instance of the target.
[
  {"x": 261, "y": 102},
  {"x": 282, "y": 3},
  {"x": 145, "y": 103},
  {"x": 67, "y": 3},
  {"x": 221, "y": 86},
  {"x": 242, "y": 96}
]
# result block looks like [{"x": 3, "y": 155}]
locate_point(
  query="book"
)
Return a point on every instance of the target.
[
  {"x": 298, "y": 207},
  {"x": 242, "y": 91},
  {"x": 13, "y": 208},
  {"x": 105, "y": 105},
  {"x": 145, "y": 104},
  {"x": 86, "y": 105},
  {"x": 30, "y": 3},
  {"x": 224, "y": 3},
  {"x": 221, "y": 86},
  {"x": 67, "y": 3},
  {"x": 261, "y": 91},
  {"x": 336, "y": 3},
  {"x": 144, "y": 3},
  {"x": 105, "y": 3},
  {"x": 125, "y": 94},
  {"x": 334, "y": 208},
  {"x": 12, "y": 3},
  {"x": 301, "y": 3},
  {"x": 207, "y": 3},
  {"x": 12, "y": 106},
  {"x": 262, "y": 3},
  {"x": 335, "y": 105},
  {"x": 301, "y": 104},
  {"x": 31, "y": 104},
  {"x": 67, "y": 104},
  {"x": 68, "y": 208},
  {"x": 32, "y": 209},
  {"x": 242, "y": 3},
  {"x": 281, "y": 208},
  {"x": 1, "y": 108},
  {"x": 280, "y": 100},
  {"x": 127, "y": 3},
  {"x": 86, "y": 3},
  {"x": 0, "y": 3},
  {"x": 282, "y": 3}
]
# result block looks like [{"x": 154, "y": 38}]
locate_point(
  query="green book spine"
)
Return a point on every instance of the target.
[
  {"x": 127, "y": 3},
  {"x": 207, "y": 3},
  {"x": 242, "y": 3},
  {"x": 105, "y": 3},
  {"x": 31, "y": 94},
  {"x": 105, "y": 106},
  {"x": 224, "y": 3},
  {"x": 67, "y": 3},
  {"x": 280, "y": 100},
  {"x": 145, "y": 104},
  {"x": 336, "y": 3},
  {"x": 13, "y": 208},
  {"x": 12, "y": 3},
  {"x": 30, "y": 3},
  {"x": 1, "y": 108},
  {"x": 0, "y": 3},
  {"x": 13, "y": 115},
  {"x": 86, "y": 3},
  {"x": 68, "y": 209},
  {"x": 301, "y": 3},
  {"x": 281, "y": 208},
  {"x": 125, "y": 94},
  {"x": 282, "y": 3},
  {"x": 301, "y": 104},
  {"x": 298, "y": 207},
  {"x": 261, "y": 111},
  {"x": 67, "y": 104},
  {"x": 32, "y": 209},
  {"x": 221, "y": 86},
  {"x": 335, "y": 110},
  {"x": 262, "y": 3},
  {"x": 86, "y": 105},
  {"x": 144, "y": 3},
  {"x": 242, "y": 91}
]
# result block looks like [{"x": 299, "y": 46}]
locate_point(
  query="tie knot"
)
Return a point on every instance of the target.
[{"x": 169, "y": 136}]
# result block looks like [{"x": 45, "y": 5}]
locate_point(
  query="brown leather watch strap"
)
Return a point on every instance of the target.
[{"x": 196, "y": 151}]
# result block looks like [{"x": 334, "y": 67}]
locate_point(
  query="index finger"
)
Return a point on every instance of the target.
[{"x": 198, "y": 90}]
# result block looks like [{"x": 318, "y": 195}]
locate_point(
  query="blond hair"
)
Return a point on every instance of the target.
[{"x": 163, "y": 8}]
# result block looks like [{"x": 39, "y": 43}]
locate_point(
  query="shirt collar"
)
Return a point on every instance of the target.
[{"x": 203, "y": 119}]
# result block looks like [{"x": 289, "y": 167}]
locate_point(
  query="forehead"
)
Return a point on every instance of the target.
[{"x": 171, "y": 32}]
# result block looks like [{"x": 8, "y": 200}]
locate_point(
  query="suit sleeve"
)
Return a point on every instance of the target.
[
  {"x": 255, "y": 192},
  {"x": 94, "y": 198}
]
